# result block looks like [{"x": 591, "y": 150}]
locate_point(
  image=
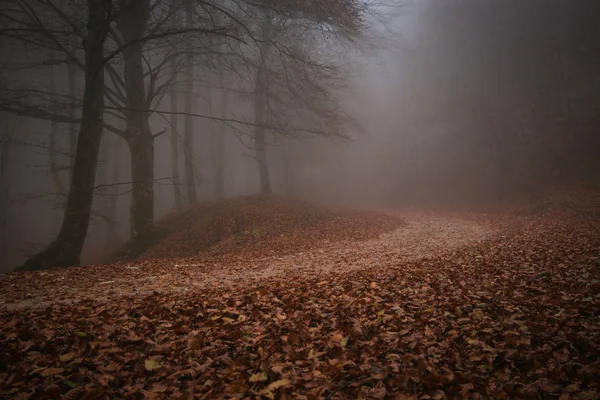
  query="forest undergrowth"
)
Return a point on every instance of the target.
[{"x": 441, "y": 306}]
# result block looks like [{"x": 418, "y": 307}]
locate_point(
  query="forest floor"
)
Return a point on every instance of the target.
[{"x": 398, "y": 304}]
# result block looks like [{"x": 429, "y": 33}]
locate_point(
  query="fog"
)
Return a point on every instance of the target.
[{"x": 466, "y": 104}]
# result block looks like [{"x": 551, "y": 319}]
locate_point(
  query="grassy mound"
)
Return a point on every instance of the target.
[{"x": 258, "y": 226}]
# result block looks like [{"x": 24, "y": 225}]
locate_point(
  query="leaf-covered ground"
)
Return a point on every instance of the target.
[
  {"x": 446, "y": 306},
  {"x": 256, "y": 226}
]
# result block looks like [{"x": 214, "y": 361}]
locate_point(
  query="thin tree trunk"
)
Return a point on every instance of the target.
[
  {"x": 141, "y": 148},
  {"x": 132, "y": 25},
  {"x": 66, "y": 248},
  {"x": 261, "y": 151},
  {"x": 188, "y": 145},
  {"x": 72, "y": 71},
  {"x": 188, "y": 139},
  {"x": 288, "y": 170},
  {"x": 109, "y": 156},
  {"x": 260, "y": 100},
  {"x": 174, "y": 141},
  {"x": 59, "y": 186},
  {"x": 72, "y": 84},
  {"x": 260, "y": 144},
  {"x": 219, "y": 149},
  {"x": 112, "y": 235}
]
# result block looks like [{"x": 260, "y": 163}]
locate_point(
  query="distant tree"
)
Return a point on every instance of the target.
[
  {"x": 174, "y": 136},
  {"x": 295, "y": 70},
  {"x": 55, "y": 167},
  {"x": 188, "y": 135},
  {"x": 108, "y": 174},
  {"x": 218, "y": 150}
]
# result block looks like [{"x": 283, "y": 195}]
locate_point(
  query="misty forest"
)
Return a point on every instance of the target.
[{"x": 300, "y": 199}]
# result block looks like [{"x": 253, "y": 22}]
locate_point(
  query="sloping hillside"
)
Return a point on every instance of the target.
[{"x": 257, "y": 226}]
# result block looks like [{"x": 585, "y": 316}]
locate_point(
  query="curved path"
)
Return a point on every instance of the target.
[{"x": 424, "y": 235}]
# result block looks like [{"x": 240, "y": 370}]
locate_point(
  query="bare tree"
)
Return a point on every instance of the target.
[
  {"x": 132, "y": 23},
  {"x": 260, "y": 102},
  {"x": 294, "y": 79},
  {"x": 174, "y": 140},
  {"x": 147, "y": 76},
  {"x": 218, "y": 150},
  {"x": 188, "y": 135},
  {"x": 55, "y": 167},
  {"x": 65, "y": 250},
  {"x": 113, "y": 237},
  {"x": 111, "y": 157}
]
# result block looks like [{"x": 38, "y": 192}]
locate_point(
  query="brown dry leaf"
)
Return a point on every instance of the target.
[
  {"x": 151, "y": 365},
  {"x": 259, "y": 377},
  {"x": 268, "y": 391},
  {"x": 74, "y": 394},
  {"x": 52, "y": 371},
  {"x": 67, "y": 357},
  {"x": 377, "y": 393}
]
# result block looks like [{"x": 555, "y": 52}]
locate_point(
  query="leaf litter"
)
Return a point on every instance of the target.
[{"x": 443, "y": 307}]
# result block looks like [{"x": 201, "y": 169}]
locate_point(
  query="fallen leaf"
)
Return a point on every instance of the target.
[
  {"x": 259, "y": 377},
  {"x": 151, "y": 365},
  {"x": 52, "y": 371}
]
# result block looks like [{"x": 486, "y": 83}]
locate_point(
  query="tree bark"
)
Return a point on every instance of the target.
[
  {"x": 188, "y": 145},
  {"x": 219, "y": 150},
  {"x": 141, "y": 148},
  {"x": 110, "y": 154},
  {"x": 188, "y": 139},
  {"x": 112, "y": 235},
  {"x": 72, "y": 84},
  {"x": 66, "y": 249},
  {"x": 59, "y": 186},
  {"x": 261, "y": 152},
  {"x": 260, "y": 99},
  {"x": 174, "y": 141},
  {"x": 132, "y": 25},
  {"x": 288, "y": 170}
]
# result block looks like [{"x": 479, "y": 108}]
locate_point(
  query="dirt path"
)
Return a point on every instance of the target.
[{"x": 424, "y": 235}]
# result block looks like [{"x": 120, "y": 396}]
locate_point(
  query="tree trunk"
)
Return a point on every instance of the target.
[
  {"x": 110, "y": 155},
  {"x": 260, "y": 98},
  {"x": 261, "y": 154},
  {"x": 188, "y": 140},
  {"x": 219, "y": 149},
  {"x": 59, "y": 186},
  {"x": 174, "y": 141},
  {"x": 72, "y": 74},
  {"x": 141, "y": 148},
  {"x": 260, "y": 144},
  {"x": 102, "y": 179},
  {"x": 66, "y": 248},
  {"x": 112, "y": 235},
  {"x": 188, "y": 145},
  {"x": 132, "y": 25},
  {"x": 54, "y": 165},
  {"x": 288, "y": 170}
]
